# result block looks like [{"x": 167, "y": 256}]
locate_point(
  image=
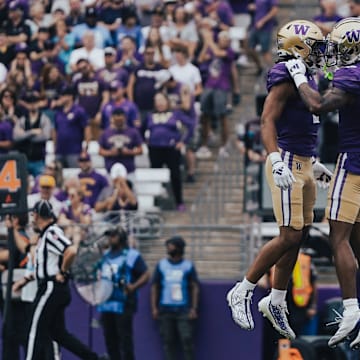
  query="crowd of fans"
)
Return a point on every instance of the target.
[{"x": 122, "y": 73}]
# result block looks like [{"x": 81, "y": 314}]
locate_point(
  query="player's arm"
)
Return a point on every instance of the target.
[
  {"x": 314, "y": 101},
  {"x": 333, "y": 99},
  {"x": 273, "y": 108}
]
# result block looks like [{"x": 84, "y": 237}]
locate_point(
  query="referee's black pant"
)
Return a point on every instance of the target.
[{"x": 48, "y": 323}]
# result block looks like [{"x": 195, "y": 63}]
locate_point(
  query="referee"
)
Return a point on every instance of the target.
[{"x": 54, "y": 256}]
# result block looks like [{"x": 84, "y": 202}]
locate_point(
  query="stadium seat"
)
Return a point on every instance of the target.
[{"x": 148, "y": 184}]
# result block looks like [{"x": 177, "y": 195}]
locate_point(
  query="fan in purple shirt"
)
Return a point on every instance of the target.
[
  {"x": 111, "y": 72},
  {"x": 142, "y": 81},
  {"x": 261, "y": 31},
  {"x": 6, "y": 136},
  {"x": 167, "y": 138},
  {"x": 71, "y": 128},
  {"x": 118, "y": 100},
  {"x": 91, "y": 181},
  {"x": 92, "y": 94},
  {"x": 120, "y": 143}
]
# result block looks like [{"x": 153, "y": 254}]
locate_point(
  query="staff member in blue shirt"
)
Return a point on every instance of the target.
[
  {"x": 174, "y": 299},
  {"x": 127, "y": 270}
]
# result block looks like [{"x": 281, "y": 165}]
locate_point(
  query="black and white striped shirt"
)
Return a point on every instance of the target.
[{"x": 49, "y": 252}]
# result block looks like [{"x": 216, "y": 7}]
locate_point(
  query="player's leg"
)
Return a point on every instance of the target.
[
  {"x": 342, "y": 211},
  {"x": 289, "y": 214},
  {"x": 355, "y": 244}
]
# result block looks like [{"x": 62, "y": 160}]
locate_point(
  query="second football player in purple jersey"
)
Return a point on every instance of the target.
[{"x": 343, "y": 207}]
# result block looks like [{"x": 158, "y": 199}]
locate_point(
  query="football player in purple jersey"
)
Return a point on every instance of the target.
[
  {"x": 343, "y": 207},
  {"x": 289, "y": 134}
]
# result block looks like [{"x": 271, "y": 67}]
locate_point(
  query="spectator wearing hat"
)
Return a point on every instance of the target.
[
  {"x": 64, "y": 43},
  {"x": 91, "y": 182},
  {"x": 218, "y": 86},
  {"x": 16, "y": 30},
  {"x": 94, "y": 55},
  {"x": 71, "y": 128},
  {"x": 111, "y": 71},
  {"x": 129, "y": 27},
  {"x": 75, "y": 16},
  {"x": 31, "y": 131},
  {"x": 142, "y": 81},
  {"x": 119, "y": 101},
  {"x": 174, "y": 299},
  {"x": 7, "y": 52},
  {"x": 183, "y": 31},
  {"x": 120, "y": 143},
  {"x": 119, "y": 195},
  {"x": 101, "y": 33},
  {"x": 127, "y": 270},
  {"x": 92, "y": 95},
  {"x": 162, "y": 51},
  {"x": 47, "y": 187},
  {"x": 167, "y": 138}
]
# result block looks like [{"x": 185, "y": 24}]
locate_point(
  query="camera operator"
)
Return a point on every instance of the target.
[{"x": 127, "y": 270}]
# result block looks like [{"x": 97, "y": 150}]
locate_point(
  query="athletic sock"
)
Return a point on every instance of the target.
[
  {"x": 277, "y": 297},
  {"x": 351, "y": 305},
  {"x": 246, "y": 285}
]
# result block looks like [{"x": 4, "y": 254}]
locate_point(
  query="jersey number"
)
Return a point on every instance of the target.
[{"x": 8, "y": 177}]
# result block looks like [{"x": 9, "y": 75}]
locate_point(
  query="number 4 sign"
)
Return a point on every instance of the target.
[{"x": 13, "y": 184}]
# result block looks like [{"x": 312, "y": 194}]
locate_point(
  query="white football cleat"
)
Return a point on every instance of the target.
[
  {"x": 240, "y": 302},
  {"x": 347, "y": 326},
  {"x": 277, "y": 315}
]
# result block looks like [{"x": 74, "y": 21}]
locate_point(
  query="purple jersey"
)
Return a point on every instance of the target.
[
  {"x": 107, "y": 76},
  {"x": 89, "y": 92},
  {"x": 145, "y": 84},
  {"x": 92, "y": 183},
  {"x": 166, "y": 128},
  {"x": 70, "y": 130},
  {"x": 129, "y": 138},
  {"x": 69, "y": 213},
  {"x": 348, "y": 79},
  {"x": 296, "y": 128},
  {"x": 328, "y": 20},
  {"x": 225, "y": 13},
  {"x": 130, "y": 109},
  {"x": 263, "y": 7},
  {"x": 220, "y": 71},
  {"x": 6, "y": 133}
]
